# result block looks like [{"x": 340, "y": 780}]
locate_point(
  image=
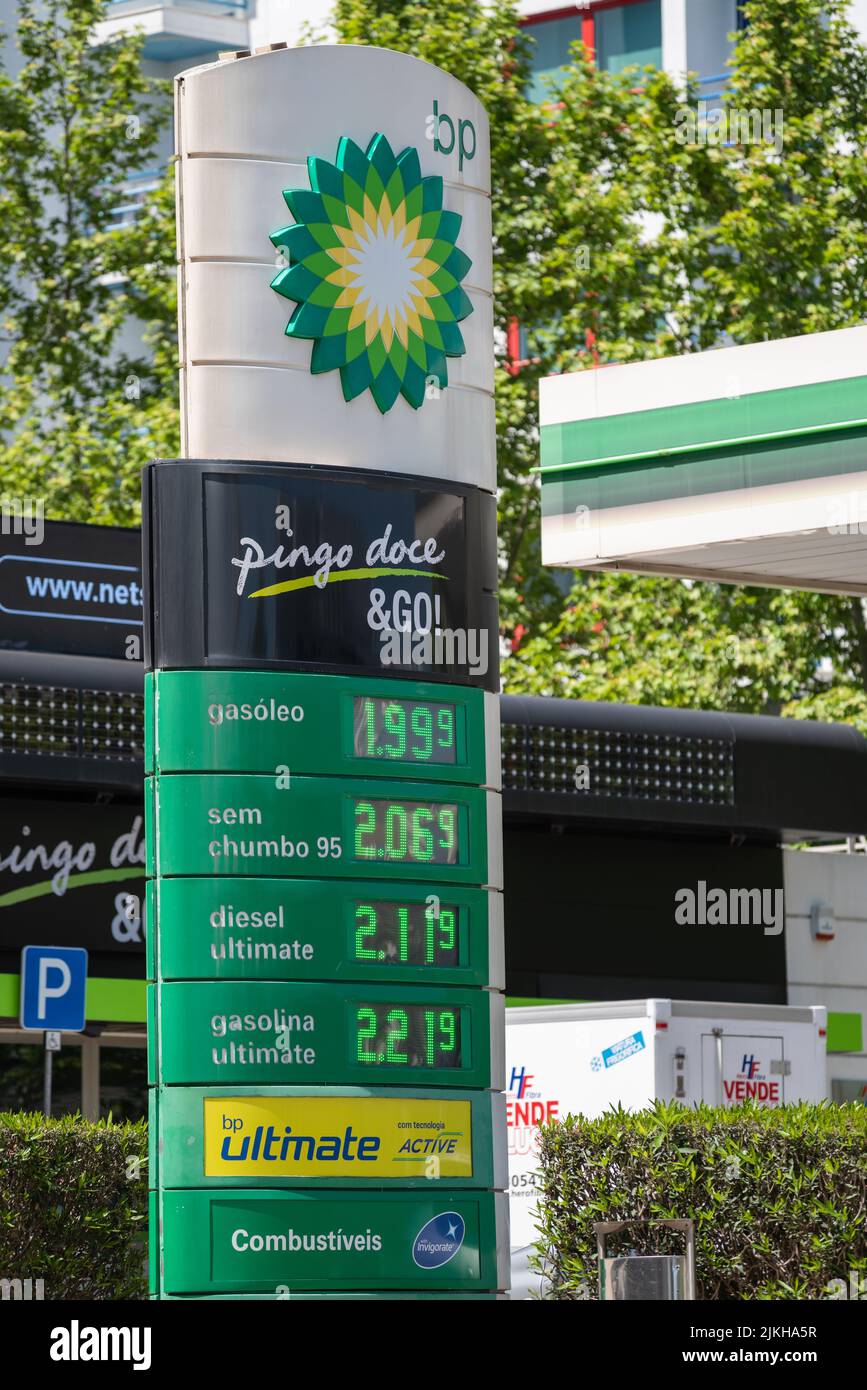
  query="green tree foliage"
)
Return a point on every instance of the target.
[
  {"x": 614, "y": 241},
  {"x": 78, "y": 412}
]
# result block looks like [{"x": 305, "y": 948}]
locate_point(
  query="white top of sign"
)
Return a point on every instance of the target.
[{"x": 335, "y": 249}]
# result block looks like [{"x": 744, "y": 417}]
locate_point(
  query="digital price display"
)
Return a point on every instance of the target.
[
  {"x": 408, "y": 1035},
  {"x": 320, "y": 725},
  {"x": 322, "y": 929},
  {"x": 408, "y": 832},
  {"x": 327, "y": 1033},
  {"x": 410, "y": 933},
  {"x": 409, "y": 731},
  {"x": 319, "y": 827}
]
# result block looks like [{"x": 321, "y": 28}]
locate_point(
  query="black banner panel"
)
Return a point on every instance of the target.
[
  {"x": 615, "y": 924},
  {"x": 70, "y": 588},
  {"x": 320, "y": 569},
  {"x": 72, "y": 874}
]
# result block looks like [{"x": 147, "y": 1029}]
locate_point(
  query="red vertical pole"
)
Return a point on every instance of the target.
[{"x": 513, "y": 345}]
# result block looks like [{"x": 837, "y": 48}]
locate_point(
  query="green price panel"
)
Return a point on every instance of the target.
[
  {"x": 244, "y": 721},
  {"x": 270, "y": 1136},
  {"x": 252, "y": 1241},
  {"x": 211, "y": 1033},
  {"x": 321, "y": 827},
  {"x": 323, "y": 929},
  {"x": 282, "y": 1293}
]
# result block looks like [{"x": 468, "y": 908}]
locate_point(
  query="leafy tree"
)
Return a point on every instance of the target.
[
  {"x": 614, "y": 241},
  {"x": 78, "y": 412}
]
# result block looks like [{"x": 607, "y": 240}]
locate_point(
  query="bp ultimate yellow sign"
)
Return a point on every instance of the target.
[{"x": 336, "y": 1137}]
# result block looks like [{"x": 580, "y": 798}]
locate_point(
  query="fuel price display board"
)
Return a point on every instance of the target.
[
  {"x": 312, "y": 929},
  {"x": 244, "y": 721},
  {"x": 324, "y": 911},
  {"x": 324, "y": 917},
  {"x": 313, "y": 1034},
  {"x": 326, "y": 827}
]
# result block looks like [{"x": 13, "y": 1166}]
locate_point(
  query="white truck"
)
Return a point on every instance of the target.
[{"x": 583, "y": 1059}]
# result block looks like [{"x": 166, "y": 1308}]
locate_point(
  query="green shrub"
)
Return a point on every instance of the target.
[
  {"x": 778, "y": 1197},
  {"x": 73, "y": 1205}
]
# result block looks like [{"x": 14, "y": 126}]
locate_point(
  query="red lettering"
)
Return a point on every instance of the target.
[
  {"x": 766, "y": 1092},
  {"x": 531, "y": 1113}
]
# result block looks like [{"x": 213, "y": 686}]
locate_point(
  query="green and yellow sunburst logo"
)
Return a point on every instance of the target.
[{"x": 375, "y": 272}]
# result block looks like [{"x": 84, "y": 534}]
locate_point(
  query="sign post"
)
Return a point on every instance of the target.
[
  {"x": 324, "y": 904},
  {"x": 53, "y": 989}
]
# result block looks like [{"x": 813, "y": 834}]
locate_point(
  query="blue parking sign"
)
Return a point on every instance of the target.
[{"x": 53, "y": 984}]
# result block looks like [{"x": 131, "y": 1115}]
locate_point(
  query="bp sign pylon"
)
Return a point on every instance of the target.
[{"x": 325, "y": 927}]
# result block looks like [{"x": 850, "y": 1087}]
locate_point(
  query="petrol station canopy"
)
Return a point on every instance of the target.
[{"x": 743, "y": 464}]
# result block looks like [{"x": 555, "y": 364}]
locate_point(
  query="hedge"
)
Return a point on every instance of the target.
[
  {"x": 778, "y": 1196},
  {"x": 73, "y": 1205}
]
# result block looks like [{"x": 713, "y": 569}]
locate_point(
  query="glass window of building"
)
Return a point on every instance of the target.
[
  {"x": 620, "y": 36},
  {"x": 552, "y": 40},
  {"x": 629, "y": 35}
]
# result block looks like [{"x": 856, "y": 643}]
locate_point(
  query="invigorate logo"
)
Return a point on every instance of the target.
[
  {"x": 439, "y": 1240},
  {"x": 375, "y": 272}
]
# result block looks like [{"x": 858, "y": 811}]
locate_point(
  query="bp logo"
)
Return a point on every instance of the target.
[
  {"x": 375, "y": 272},
  {"x": 439, "y": 1240}
]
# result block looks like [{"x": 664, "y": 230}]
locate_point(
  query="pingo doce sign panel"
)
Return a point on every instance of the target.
[
  {"x": 324, "y": 569},
  {"x": 323, "y": 799}
]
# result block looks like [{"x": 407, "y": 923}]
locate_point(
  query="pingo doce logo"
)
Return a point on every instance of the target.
[
  {"x": 375, "y": 272},
  {"x": 387, "y": 556},
  {"x": 408, "y": 625}
]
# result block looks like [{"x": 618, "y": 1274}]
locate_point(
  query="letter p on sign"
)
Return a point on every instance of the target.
[
  {"x": 50, "y": 965},
  {"x": 53, "y": 986}
]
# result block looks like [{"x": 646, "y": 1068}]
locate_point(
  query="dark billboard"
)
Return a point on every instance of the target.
[
  {"x": 324, "y": 569},
  {"x": 596, "y": 916},
  {"x": 72, "y": 874},
  {"x": 69, "y": 588}
]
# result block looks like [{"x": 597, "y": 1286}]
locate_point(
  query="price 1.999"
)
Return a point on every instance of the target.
[{"x": 411, "y": 731}]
